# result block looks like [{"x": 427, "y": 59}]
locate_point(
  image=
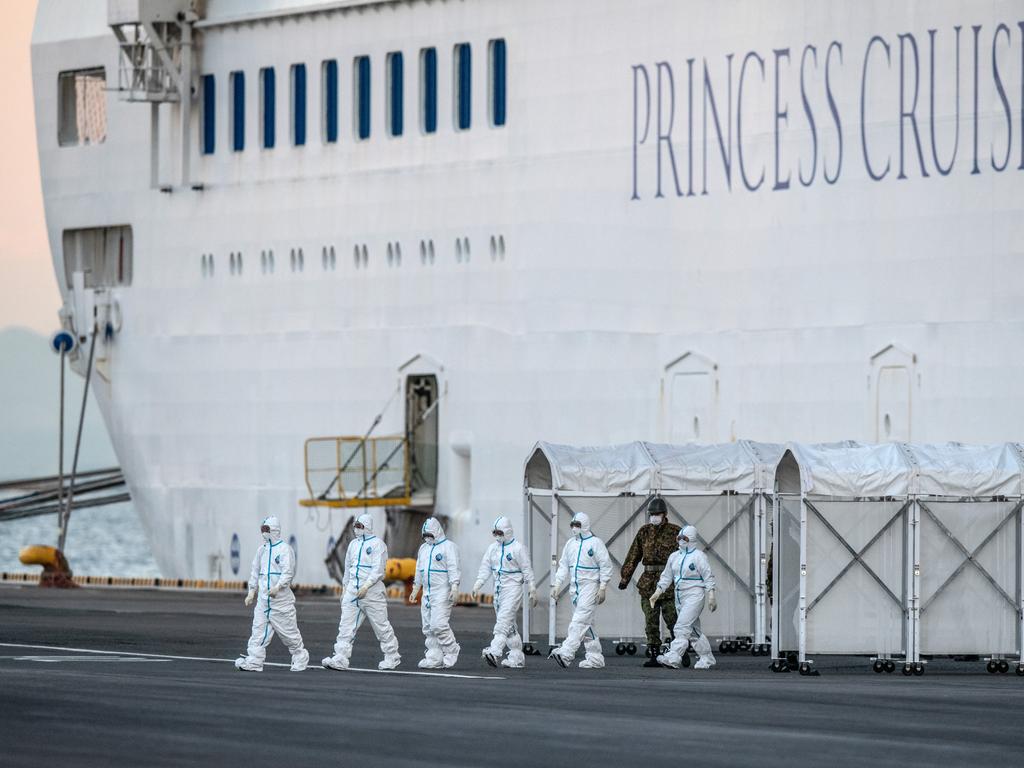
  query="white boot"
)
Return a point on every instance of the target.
[
  {"x": 668, "y": 661},
  {"x": 242, "y": 663},
  {"x": 509, "y": 664},
  {"x": 428, "y": 663},
  {"x": 300, "y": 661},
  {"x": 705, "y": 662},
  {"x": 390, "y": 662},
  {"x": 335, "y": 662}
]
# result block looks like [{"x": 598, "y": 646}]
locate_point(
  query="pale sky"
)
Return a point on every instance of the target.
[{"x": 28, "y": 288}]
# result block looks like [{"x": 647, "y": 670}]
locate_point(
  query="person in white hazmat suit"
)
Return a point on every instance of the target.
[
  {"x": 270, "y": 580},
  {"x": 585, "y": 562},
  {"x": 690, "y": 573},
  {"x": 363, "y": 596},
  {"x": 437, "y": 574},
  {"x": 508, "y": 561}
]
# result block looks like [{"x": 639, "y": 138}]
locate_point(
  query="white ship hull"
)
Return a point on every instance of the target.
[{"x": 858, "y": 308}]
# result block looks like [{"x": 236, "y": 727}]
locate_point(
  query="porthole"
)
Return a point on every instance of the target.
[
  {"x": 398, "y": 254},
  {"x": 291, "y": 255},
  {"x": 239, "y": 262},
  {"x": 696, "y": 427},
  {"x": 323, "y": 258},
  {"x": 430, "y": 251},
  {"x": 366, "y": 255},
  {"x": 333, "y": 258},
  {"x": 302, "y": 260},
  {"x": 232, "y": 260},
  {"x": 202, "y": 265},
  {"x": 465, "y": 248},
  {"x": 270, "y": 260},
  {"x": 888, "y": 425},
  {"x": 501, "y": 247},
  {"x": 494, "y": 249},
  {"x": 391, "y": 256},
  {"x": 209, "y": 264},
  {"x": 458, "y": 251},
  {"x": 355, "y": 256},
  {"x": 263, "y": 262},
  {"x": 423, "y": 253}
]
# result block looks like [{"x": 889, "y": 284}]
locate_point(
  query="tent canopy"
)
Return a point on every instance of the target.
[
  {"x": 645, "y": 467},
  {"x": 858, "y": 470}
]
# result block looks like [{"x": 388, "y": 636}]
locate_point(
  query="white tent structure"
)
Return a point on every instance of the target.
[
  {"x": 899, "y": 551},
  {"x": 723, "y": 490}
]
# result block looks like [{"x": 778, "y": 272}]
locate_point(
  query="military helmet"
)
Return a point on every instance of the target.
[{"x": 657, "y": 506}]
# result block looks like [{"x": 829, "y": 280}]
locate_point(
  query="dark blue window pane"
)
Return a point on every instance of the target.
[
  {"x": 395, "y": 61},
  {"x": 331, "y": 101},
  {"x": 429, "y": 90},
  {"x": 363, "y": 70},
  {"x": 464, "y": 57},
  {"x": 209, "y": 114},
  {"x": 238, "y": 111},
  {"x": 268, "y": 108},
  {"x": 498, "y": 52},
  {"x": 299, "y": 102}
]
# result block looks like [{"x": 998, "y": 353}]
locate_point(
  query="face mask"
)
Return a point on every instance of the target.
[
  {"x": 265, "y": 531},
  {"x": 657, "y": 519},
  {"x": 428, "y": 538},
  {"x": 498, "y": 536},
  {"x": 359, "y": 530},
  {"x": 683, "y": 545},
  {"x": 577, "y": 531}
]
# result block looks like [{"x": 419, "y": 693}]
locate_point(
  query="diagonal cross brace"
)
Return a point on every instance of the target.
[
  {"x": 969, "y": 557},
  {"x": 858, "y": 557},
  {"x": 708, "y": 545}
]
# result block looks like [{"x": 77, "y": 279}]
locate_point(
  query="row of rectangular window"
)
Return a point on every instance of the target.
[{"x": 395, "y": 84}]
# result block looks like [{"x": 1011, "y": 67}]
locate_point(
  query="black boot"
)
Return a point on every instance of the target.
[{"x": 651, "y": 663}]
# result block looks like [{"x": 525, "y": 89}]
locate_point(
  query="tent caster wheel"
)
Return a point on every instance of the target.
[
  {"x": 878, "y": 666},
  {"x": 908, "y": 670},
  {"x": 807, "y": 671},
  {"x": 631, "y": 649},
  {"x": 1020, "y": 670},
  {"x": 686, "y": 660},
  {"x": 992, "y": 666},
  {"x": 1004, "y": 666},
  {"x": 721, "y": 647},
  {"x": 779, "y": 665},
  {"x": 890, "y": 666},
  {"x": 918, "y": 669},
  {"x": 620, "y": 649}
]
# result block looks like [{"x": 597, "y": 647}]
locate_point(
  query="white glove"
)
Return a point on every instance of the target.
[
  {"x": 415, "y": 593},
  {"x": 476, "y": 591},
  {"x": 653, "y": 600},
  {"x": 600, "y": 594},
  {"x": 533, "y": 596},
  {"x": 453, "y": 594},
  {"x": 712, "y": 600},
  {"x": 362, "y": 591},
  {"x": 274, "y": 590},
  {"x": 555, "y": 589},
  {"x": 250, "y": 597}
]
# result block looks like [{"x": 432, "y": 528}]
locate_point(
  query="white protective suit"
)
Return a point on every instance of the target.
[
  {"x": 437, "y": 574},
  {"x": 363, "y": 596},
  {"x": 508, "y": 561},
  {"x": 271, "y": 576},
  {"x": 585, "y": 562},
  {"x": 690, "y": 572}
]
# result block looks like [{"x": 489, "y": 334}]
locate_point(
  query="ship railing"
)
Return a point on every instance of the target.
[{"x": 357, "y": 471}]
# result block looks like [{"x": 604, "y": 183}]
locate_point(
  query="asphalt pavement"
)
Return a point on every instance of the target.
[{"x": 97, "y": 677}]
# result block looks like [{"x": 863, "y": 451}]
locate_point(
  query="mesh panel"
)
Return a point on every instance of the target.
[{"x": 969, "y": 614}]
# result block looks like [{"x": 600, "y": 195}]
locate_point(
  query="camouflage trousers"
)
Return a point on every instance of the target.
[{"x": 665, "y": 607}]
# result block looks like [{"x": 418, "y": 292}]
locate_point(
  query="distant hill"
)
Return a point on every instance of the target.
[{"x": 29, "y": 387}]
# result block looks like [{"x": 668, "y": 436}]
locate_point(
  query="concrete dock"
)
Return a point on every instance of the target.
[{"x": 145, "y": 678}]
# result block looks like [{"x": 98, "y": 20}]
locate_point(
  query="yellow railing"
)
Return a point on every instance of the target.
[{"x": 357, "y": 472}]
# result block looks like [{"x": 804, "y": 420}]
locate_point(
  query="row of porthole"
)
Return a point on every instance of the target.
[{"x": 360, "y": 256}]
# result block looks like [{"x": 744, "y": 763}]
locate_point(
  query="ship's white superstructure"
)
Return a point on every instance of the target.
[{"x": 692, "y": 221}]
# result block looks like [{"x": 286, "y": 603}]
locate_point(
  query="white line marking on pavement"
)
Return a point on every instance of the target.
[
  {"x": 56, "y": 659},
  {"x": 266, "y": 663}
]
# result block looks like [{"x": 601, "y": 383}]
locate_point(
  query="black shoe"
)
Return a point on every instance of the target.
[{"x": 651, "y": 663}]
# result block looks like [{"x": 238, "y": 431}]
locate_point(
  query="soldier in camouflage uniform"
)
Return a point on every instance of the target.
[{"x": 653, "y": 544}]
